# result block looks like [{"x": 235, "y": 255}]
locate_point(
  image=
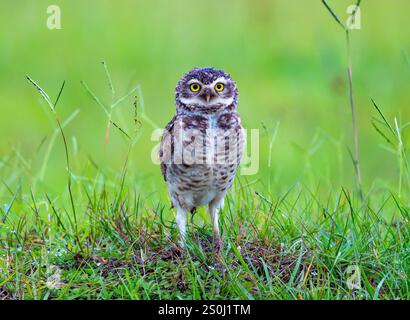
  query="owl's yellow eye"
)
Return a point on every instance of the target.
[
  {"x": 219, "y": 86},
  {"x": 195, "y": 87}
]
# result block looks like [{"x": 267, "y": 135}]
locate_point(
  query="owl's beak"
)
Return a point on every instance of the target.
[{"x": 207, "y": 95}]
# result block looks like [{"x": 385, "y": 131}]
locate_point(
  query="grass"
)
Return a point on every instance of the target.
[
  {"x": 118, "y": 243},
  {"x": 295, "y": 246},
  {"x": 84, "y": 213},
  {"x": 346, "y": 29}
]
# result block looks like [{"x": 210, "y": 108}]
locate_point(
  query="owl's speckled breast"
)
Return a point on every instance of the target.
[{"x": 204, "y": 153}]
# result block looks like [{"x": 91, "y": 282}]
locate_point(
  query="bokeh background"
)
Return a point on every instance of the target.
[{"x": 288, "y": 58}]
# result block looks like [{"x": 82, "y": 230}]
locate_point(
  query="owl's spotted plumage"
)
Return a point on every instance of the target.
[{"x": 202, "y": 145}]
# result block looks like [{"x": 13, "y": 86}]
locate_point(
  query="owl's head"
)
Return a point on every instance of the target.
[{"x": 206, "y": 90}]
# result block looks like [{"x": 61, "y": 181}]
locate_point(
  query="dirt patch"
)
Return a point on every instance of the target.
[
  {"x": 262, "y": 257},
  {"x": 162, "y": 259},
  {"x": 5, "y": 295}
]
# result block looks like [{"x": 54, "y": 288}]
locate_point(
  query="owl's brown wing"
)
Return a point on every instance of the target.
[{"x": 166, "y": 148}]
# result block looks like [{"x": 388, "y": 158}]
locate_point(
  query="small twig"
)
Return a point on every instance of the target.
[{"x": 307, "y": 272}]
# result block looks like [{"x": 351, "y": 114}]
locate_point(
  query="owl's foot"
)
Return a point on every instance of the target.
[{"x": 181, "y": 244}]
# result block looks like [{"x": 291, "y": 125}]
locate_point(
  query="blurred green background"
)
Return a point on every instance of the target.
[{"x": 288, "y": 58}]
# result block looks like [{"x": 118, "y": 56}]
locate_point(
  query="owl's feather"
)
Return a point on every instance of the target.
[{"x": 202, "y": 145}]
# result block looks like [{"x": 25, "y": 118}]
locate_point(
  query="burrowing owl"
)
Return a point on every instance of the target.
[{"x": 202, "y": 145}]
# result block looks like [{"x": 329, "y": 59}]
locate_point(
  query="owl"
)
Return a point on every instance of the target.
[{"x": 202, "y": 146}]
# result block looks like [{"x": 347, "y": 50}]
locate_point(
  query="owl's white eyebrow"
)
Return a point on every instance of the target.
[
  {"x": 220, "y": 79},
  {"x": 194, "y": 81}
]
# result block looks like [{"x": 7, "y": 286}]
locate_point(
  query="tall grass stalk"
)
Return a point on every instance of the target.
[
  {"x": 356, "y": 161},
  {"x": 394, "y": 138},
  {"x": 400, "y": 151},
  {"x": 52, "y": 142},
  {"x": 53, "y": 106},
  {"x": 272, "y": 138},
  {"x": 109, "y": 109}
]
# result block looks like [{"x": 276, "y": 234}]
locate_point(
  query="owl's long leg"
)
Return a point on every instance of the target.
[
  {"x": 181, "y": 223},
  {"x": 214, "y": 207}
]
